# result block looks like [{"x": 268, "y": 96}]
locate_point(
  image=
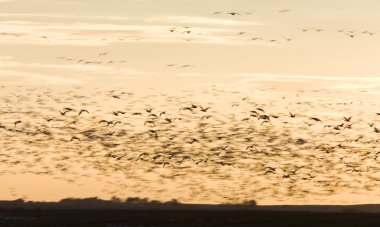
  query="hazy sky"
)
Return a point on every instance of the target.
[
  {"x": 34, "y": 33},
  {"x": 267, "y": 46}
]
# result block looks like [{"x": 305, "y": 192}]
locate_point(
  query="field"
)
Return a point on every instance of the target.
[{"x": 119, "y": 218}]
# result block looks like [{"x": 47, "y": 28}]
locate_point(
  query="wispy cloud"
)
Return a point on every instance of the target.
[
  {"x": 97, "y": 31},
  {"x": 191, "y": 20},
  {"x": 247, "y": 81},
  {"x": 303, "y": 78},
  {"x": 12, "y": 72},
  {"x": 14, "y": 77}
]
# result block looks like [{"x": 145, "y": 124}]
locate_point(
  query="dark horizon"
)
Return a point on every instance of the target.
[
  {"x": 142, "y": 212},
  {"x": 94, "y": 203}
]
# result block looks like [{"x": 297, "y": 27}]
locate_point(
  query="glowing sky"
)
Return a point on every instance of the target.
[
  {"x": 328, "y": 48},
  {"x": 34, "y": 33}
]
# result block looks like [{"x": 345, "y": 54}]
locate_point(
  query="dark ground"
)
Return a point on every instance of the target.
[{"x": 121, "y": 218}]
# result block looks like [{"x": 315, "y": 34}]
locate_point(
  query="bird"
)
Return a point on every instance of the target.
[
  {"x": 233, "y": 13},
  {"x": 48, "y": 119},
  {"x": 153, "y": 115},
  {"x": 193, "y": 140},
  {"x": 104, "y": 53},
  {"x": 75, "y": 138},
  {"x": 150, "y": 122},
  {"x": 315, "y": 119},
  {"x": 341, "y": 158},
  {"x": 292, "y": 115},
  {"x": 287, "y": 39},
  {"x": 83, "y": 111},
  {"x": 44, "y": 37},
  {"x": 136, "y": 113},
  {"x": 264, "y": 117},
  {"x": 187, "y": 108},
  {"x": 117, "y": 122},
  {"x": 204, "y": 109},
  {"x": 284, "y": 11},
  {"x": 351, "y": 35},
  {"x": 141, "y": 155},
  {"x": 17, "y": 122},
  {"x": 63, "y": 113},
  {"x": 305, "y": 29},
  {"x": 108, "y": 123},
  {"x": 274, "y": 116},
  {"x": 347, "y": 119},
  {"x": 116, "y": 113},
  {"x": 169, "y": 120}
]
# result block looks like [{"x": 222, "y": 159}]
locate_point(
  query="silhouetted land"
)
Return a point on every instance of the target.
[{"x": 142, "y": 212}]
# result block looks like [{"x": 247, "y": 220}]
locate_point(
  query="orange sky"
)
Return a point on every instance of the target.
[
  {"x": 271, "y": 49},
  {"x": 35, "y": 33}
]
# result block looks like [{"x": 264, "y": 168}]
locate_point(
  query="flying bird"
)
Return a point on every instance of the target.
[
  {"x": 17, "y": 122},
  {"x": 233, "y": 13},
  {"x": 104, "y": 53},
  {"x": 347, "y": 119},
  {"x": 75, "y": 138},
  {"x": 315, "y": 119},
  {"x": 83, "y": 111},
  {"x": 204, "y": 109},
  {"x": 284, "y": 11}
]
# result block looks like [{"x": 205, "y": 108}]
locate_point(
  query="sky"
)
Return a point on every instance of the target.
[
  {"x": 307, "y": 51},
  {"x": 35, "y": 33}
]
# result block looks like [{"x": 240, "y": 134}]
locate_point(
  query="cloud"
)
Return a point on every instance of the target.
[
  {"x": 304, "y": 78},
  {"x": 203, "y": 21},
  {"x": 3, "y": 58},
  {"x": 191, "y": 75},
  {"x": 12, "y": 72},
  {"x": 98, "y": 31},
  {"x": 14, "y": 77},
  {"x": 248, "y": 81},
  {"x": 62, "y": 17}
]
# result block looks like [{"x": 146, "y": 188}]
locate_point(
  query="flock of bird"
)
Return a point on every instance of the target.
[
  {"x": 190, "y": 34},
  {"x": 249, "y": 37},
  {"x": 226, "y": 147}
]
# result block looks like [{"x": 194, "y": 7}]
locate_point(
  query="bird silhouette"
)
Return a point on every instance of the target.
[
  {"x": 17, "y": 122},
  {"x": 316, "y": 119},
  {"x": 83, "y": 111},
  {"x": 233, "y": 13},
  {"x": 284, "y": 11},
  {"x": 347, "y": 119},
  {"x": 75, "y": 138},
  {"x": 204, "y": 109}
]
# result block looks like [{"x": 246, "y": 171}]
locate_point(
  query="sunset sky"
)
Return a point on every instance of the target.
[
  {"x": 34, "y": 33},
  {"x": 264, "y": 49}
]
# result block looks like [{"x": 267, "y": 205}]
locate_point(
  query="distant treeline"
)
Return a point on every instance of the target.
[{"x": 114, "y": 203}]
